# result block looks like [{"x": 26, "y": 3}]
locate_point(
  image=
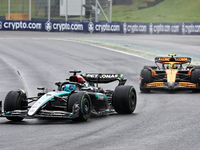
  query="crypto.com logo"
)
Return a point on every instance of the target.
[
  {"x": 183, "y": 29},
  {"x": 91, "y": 27},
  {"x": 125, "y": 28},
  {"x": 0, "y": 25},
  {"x": 151, "y": 28},
  {"x": 48, "y": 26}
]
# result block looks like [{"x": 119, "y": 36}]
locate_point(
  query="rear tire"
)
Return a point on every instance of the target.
[
  {"x": 15, "y": 100},
  {"x": 84, "y": 102},
  {"x": 146, "y": 77},
  {"x": 124, "y": 99}
]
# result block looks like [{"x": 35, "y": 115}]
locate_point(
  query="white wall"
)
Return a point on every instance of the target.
[{"x": 74, "y": 7}]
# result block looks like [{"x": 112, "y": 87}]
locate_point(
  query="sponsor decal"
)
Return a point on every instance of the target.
[
  {"x": 125, "y": 28},
  {"x": 190, "y": 28},
  {"x": 183, "y": 29},
  {"x": 164, "y": 28},
  {"x": 17, "y": 25},
  {"x": 48, "y": 26},
  {"x": 91, "y": 75},
  {"x": 91, "y": 27},
  {"x": 175, "y": 28},
  {"x": 101, "y": 75},
  {"x": 0, "y": 25},
  {"x": 67, "y": 26},
  {"x": 107, "y": 28},
  {"x": 134, "y": 28},
  {"x": 151, "y": 28},
  {"x": 181, "y": 58},
  {"x": 164, "y": 58},
  {"x": 161, "y": 28},
  {"x": 102, "y": 27},
  {"x": 109, "y": 76},
  {"x": 100, "y": 96}
]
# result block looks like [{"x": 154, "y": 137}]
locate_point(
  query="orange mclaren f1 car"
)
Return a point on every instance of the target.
[{"x": 170, "y": 74}]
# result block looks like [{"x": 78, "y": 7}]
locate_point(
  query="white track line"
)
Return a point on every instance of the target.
[
  {"x": 82, "y": 42},
  {"x": 107, "y": 48}
]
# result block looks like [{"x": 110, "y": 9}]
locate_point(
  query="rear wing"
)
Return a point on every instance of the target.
[
  {"x": 173, "y": 59},
  {"x": 103, "y": 78}
]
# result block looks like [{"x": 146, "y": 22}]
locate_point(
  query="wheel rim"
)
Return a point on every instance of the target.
[{"x": 85, "y": 107}]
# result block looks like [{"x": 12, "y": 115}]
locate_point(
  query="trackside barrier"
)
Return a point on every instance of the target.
[{"x": 103, "y": 27}]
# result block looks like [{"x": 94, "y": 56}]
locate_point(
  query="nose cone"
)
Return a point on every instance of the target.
[{"x": 171, "y": 85}]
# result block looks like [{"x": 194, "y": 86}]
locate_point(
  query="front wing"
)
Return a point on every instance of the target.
[
  {"x": 42, "y": 114},
  {"x": 51, "y": 113},
  {"x": 176, "y": 85}
]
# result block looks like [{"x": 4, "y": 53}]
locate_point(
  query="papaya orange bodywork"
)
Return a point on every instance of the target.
[
  {"x": 171, "y": 75},
  {"x": 187, "y": 84},
  {"x": 155, "y": 84}
]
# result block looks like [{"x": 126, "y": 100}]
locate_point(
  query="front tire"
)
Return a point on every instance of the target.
[
  {"x": 146, "y": 77},
  {"x": 15, "y": 100},
  {"x": 124, "y": 99},
  {"x": 84, "y": 102}
]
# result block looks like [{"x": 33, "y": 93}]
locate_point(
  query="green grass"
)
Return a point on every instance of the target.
[
  {"x": 166, "y": 11},
  {"x": 17, "y": 8}
]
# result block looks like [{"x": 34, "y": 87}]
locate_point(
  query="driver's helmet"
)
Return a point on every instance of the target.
[
  {"x": 172, "y": 66},
  {"x": 69, "y": 87}
]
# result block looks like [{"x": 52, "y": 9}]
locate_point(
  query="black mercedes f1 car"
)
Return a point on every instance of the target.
[{"x": 74, "y": 99}]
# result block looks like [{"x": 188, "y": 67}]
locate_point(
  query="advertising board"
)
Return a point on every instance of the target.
[{"x": 103, "y": 27}]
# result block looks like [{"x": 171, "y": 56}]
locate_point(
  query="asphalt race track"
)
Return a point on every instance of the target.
[{"x": 163, "y": 120}]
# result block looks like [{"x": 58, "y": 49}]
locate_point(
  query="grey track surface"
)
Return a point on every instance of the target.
[{"x": 162, "y": 120}]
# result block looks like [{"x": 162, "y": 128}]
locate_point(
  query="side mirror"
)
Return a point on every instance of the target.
[{"x": 58, "y": 83}]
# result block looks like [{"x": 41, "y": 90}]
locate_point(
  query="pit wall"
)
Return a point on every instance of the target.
[{"x": 192, "y": 28}]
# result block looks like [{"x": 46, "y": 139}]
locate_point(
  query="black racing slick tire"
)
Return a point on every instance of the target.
[
  {"x": 124, "y": 99},
  {"x": 146, "y": 77},
  {"x": 83, "y": 100},
  {"x": 15, "y": 100},
  {"x": 195, "y": 78}
]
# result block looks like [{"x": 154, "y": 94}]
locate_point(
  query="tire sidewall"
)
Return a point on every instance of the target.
[
  {"x": 83, "y": 99},
  {"x": 15, "y": 100},
  {"x": 146, "y": 77},
  {"x": 195, "y": 76},
  {"x": 121, "y": 99}
]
